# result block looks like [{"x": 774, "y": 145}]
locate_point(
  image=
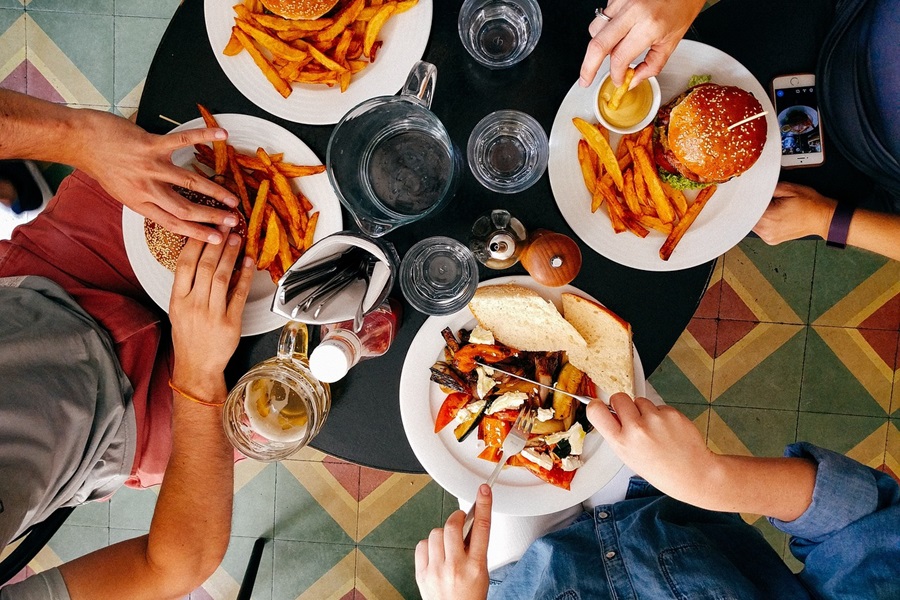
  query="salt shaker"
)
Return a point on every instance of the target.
[{"x": 498, "y": 239}]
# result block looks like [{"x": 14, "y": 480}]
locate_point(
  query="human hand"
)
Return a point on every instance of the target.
[
  {"x": 445, "y": 568},
  {"x": 658, "y": 442},
  {"x": 795, "y": 212},
  {"x": 205, "y": 314},
  {"x": 636, "y": 25},
  {"x": 135, "y": 168}
]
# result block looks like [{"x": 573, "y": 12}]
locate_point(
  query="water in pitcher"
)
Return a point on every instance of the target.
[{"x": 408, "y": 171}]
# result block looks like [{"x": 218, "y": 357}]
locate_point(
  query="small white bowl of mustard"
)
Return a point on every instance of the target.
[{"x": 636, "y": 110}]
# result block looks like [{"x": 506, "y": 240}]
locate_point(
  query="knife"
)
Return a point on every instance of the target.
[{"x": 604, "y": 397}]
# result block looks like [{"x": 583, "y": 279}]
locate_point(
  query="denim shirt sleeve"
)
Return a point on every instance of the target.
[{"x": 845, "y": 492}]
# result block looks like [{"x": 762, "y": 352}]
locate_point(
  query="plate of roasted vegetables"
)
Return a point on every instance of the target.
[{"x": 457, "y": 412}]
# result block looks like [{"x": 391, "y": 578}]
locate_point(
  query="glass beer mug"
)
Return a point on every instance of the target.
[
  {"x": 277, "y": 407},
  {"x": 391, "y": 160}
]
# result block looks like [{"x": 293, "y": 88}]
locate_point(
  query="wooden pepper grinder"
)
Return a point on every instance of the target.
[{"x": 552, "y": 259}]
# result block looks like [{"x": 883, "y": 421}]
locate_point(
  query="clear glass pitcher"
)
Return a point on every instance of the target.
[
  {"x": 277, "y": 407},
  {"x": 391, "y": 160}
]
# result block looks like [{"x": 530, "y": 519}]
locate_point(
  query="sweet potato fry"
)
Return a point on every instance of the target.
[
  {"x": 310, "y": 231},
  {"x": 587, "y": 169},
  {"x": 270, "y": 243},
  {"x": 676, "y": 197},
  {"x": 233, "y": 47},
  {"x": 599, "y": 145},
  {"x": 221, "y": 155},
  {"x": 682, "y": 226},
  {"x": 291, "y": 170},
  {"x": 254, "y": 227},
  {"x": 344, "y": 18},
  {"x": 374, "y": 26},
  {"x": 277, "y": 47},
  {"x": 268, "y": 70},
  {"x": 238, "y": 175},
  {"x": 643, "y": 162},
  {"x": 631, "y": 199},
  {"x": 282, "y": 186},
  {"x": 284, "y": 251}
]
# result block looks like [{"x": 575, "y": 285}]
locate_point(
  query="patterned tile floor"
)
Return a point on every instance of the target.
[{"x": 791, "y": 342}]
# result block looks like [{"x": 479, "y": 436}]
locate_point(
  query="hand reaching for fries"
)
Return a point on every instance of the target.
[{"x": 636, "y": 25}]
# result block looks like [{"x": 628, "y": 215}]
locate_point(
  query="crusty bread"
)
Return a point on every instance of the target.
[
  {"x": 522, "y": 319},
  {"x": 608, "y": 359}
]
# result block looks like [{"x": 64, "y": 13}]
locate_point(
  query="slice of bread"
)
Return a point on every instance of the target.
[
  {"x": 608, "y": 358},
  {"x": 520, "y": 318}
]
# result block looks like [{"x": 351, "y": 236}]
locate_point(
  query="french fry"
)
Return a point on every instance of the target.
[
  {"x": 254, "y": 227},
  {"x": 270, "y": 243},
  {"x": 676, "y": 197},
  {"x": 587, "y": 169},
  {"x": 344, "y": 17},
  {"x": 290, "y": 170},
  {"x": 233, "y": 47},
  {"x": 682, "y": 226},
  {"x": 631, "y": 200},
  {"x": 310, "y": 231},
  {"x": 340, "y": 51},
  {"x": 238, "y": 176},
  {"x": 281, "y": 186},
  {"x": 651, "y": 180},
  {"x": 277, "y": 47},
  {"x": 374, "y": 26},
  {"x": 221, "y": 155},
  {"x": 620, "y": 92},
  {"x": 599, "y": 145},
  {"x": 616, "y": 214},
  {"x": 654, "y": 223},
  {"x": 268, "y": 70},
  {"x": 284, "y": 251}
]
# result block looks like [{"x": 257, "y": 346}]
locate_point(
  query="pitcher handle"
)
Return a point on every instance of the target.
[
  {"x": 420, "y": 83},
  {"x": 294, "y": 340}
]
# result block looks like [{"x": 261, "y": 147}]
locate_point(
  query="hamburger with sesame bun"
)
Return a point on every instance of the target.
[
  {"x": 166, "y": 246},
  {"x": 692, "y": 144},
  {"x": 299, "y": 9}
]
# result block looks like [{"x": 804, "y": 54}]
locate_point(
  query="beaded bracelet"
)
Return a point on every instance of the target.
[{"x": 184, "y": 394}]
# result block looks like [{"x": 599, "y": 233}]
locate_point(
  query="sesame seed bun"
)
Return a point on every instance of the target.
[
  {"x": 166, "y": 246},
  {"x": 299, "y": 9},
  {"x": 703, "y": 147}
]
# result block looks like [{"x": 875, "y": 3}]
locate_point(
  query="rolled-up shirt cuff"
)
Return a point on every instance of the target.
[
  {"x": 845, "y": 492},
  {"x": 46, "y": 585}
]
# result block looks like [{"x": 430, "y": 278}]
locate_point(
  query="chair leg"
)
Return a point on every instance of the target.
[{"x": 252, "y": 568}]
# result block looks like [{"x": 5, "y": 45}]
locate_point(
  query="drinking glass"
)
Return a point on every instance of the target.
[
  {"x": 278, "y": 406},
  {"x": 391, "y": 160},
  {"x": 500, "y": 33},
  {"x": 438, "y": 276},
  {"x": 508, "y": 151}
]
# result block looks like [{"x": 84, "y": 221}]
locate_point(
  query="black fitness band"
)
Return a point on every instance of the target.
[{"x": 840, "y": 225}]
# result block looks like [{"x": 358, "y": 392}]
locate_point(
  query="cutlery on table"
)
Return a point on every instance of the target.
[
  {"x": 604, "y": 397},
  {"x": 513, "y": 444}
]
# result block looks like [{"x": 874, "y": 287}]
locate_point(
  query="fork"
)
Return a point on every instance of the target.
[{"x": 513, "y": 444}]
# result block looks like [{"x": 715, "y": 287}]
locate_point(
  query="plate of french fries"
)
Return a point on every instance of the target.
[
  {"x": 285, "y": 197},
  {"x": 314, "y": 71},
  {"x": 609, "y": 191}
]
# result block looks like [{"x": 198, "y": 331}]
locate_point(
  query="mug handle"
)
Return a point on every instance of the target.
[
  {"x": 420, "y": 83},
  {"x": 294, "y": 340}
]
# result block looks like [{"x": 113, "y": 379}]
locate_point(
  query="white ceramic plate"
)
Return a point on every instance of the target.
[
  {"x": 456, "y": 466},
  {"x": 730, "y": 214},
  {"x": 246, "y": 134},
  {"x": 404, "y": 36}
]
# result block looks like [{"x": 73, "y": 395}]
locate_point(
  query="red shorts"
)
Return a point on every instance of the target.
[{"x": 77, "y": 243}]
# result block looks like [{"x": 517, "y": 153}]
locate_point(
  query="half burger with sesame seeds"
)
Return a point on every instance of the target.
[
  {"x": 166, "y": 246},
  {"x": 692, "y": 144},
  {"x": 299, "y": 9}
]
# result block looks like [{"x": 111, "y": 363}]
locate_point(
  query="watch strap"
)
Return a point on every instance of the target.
[{"x": 840, "y": 225}]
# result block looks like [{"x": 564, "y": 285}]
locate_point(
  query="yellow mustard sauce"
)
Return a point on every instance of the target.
[{"x": 635, "y": 104}]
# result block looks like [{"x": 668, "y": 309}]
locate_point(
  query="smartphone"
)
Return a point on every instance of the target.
[{"x": 799, "y": 120}]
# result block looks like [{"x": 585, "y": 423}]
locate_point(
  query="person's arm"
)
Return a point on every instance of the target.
[
  {"x": 133, "y": 166},
  {"x": 634, "y": 26},
  {"x": 798, "y": 211},
  {"x": 191, "y": 524},
  {"x": 664, "y": 447},
  {"x": 447, "y": 569}
]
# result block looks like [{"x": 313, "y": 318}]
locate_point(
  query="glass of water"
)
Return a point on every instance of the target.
[
  {"x": 438, "y": 276},
  {"x": 508, "y": 151},
  {"x": 500, "y": 33}
]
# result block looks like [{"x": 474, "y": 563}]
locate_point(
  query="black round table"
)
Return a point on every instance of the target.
[{"x": 364, "y": 425}]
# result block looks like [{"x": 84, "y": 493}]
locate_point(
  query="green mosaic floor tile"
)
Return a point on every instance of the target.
[
  {"x": 299, "y": 517},
  {"x": 411, "y": 522},
  {"x": 674, "y": 386},
  {"x": 120, "y": 535},
  {"x": 93, "y": 7},
  {"x": 12, "y": 4},
  {"x": 691, "y": 411},
  {"x": 8, "y": 16},
  {"x": 766, "y": 374},
  {"x": 136, "y": 39},
  {"x": 763, "y": 432},
  {"x": 837, "y": 273},
  {"x": 829, "y": 386},
  {"x": 86, "y": 40},
  {"x": 254, "y": 504},
  {"x": 787, "y": 267},
  {"x": 132, "y": 509},
  {"x": 235, "y": 564},
  {"x": 163, "y": 9},
  {"x": 398, "y": 566},
  {"x": 72, "y": 541},
  {"x": 12, "y": 49},
  {"x": 840, "y": 433},
  {"x": 299, "y": 565},
  {"x": 91, "y": 514}
]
